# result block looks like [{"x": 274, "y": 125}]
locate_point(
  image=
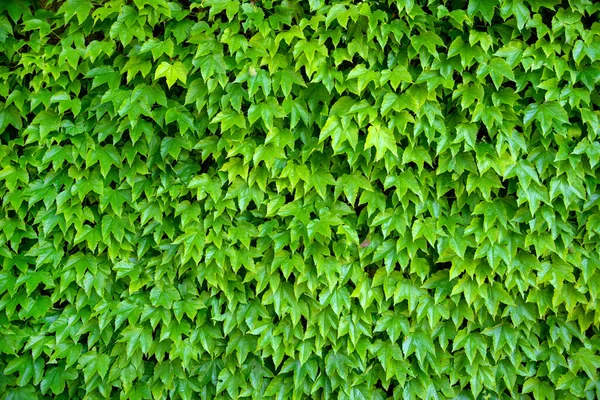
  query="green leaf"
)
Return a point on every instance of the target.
[
  {"x": 171, "y": 72},
  {"x": 80, "y": 8},
  {"x": 320, "y": 179},
  {"x": 382, "y": 139},
  {"x": 164, "y": 296},
  {"x": 483, "y": 7},
  {"x": 21, "y": 393},
  {"x": 136, "y": 337},
  {"x": 541, "y": 390},
  {"x": 588, "y": 361},
  {"x": 500, "y": 69},
  {"x": 546, "y": 114}
]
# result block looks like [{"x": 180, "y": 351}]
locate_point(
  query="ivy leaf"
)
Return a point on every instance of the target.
[
  {"x": 588, "y": 361},
  {"x": 546, "y": 114},
  {"x": 164, "y": 296},
  {"x": 541, "y": 390},
  {"x": 498, "y": 69},
  {"x": 21, "y": 393},
  {"x": 382, "y": 139},
  {"x": 320, "y": 179},
  {"x": 135, "y": 337},
  {"x": 483, "y": 7},
  {"x": 75, "y": 7},
  {"x": 418, "y": 343},
  {"x": 171, "y": 72}
]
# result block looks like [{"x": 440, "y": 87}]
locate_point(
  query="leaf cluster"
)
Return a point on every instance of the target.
[{"x": 299, "y": 199}]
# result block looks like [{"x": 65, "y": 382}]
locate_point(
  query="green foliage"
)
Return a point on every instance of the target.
[{"x": 299, "y": 199}]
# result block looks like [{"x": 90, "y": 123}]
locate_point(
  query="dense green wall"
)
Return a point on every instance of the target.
[{"x": 299, "y": 199}]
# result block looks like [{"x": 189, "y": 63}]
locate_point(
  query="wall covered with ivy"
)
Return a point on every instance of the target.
[{"x": 299, "y": 199}]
